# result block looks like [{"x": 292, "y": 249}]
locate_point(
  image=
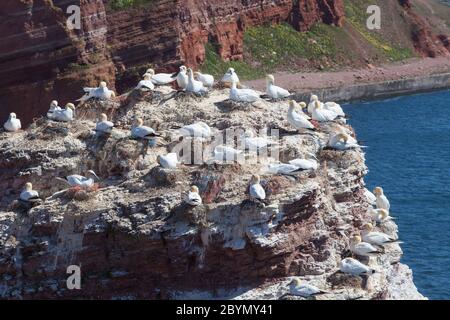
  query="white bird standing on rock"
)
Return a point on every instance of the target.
[
  {"x": 355, "y": 268},
  {"x": 256, "y": 190},
  {"x": 198, "y": 129},
  {"x": 66, "y": 114},
  {"x": 28, "y": 194},
  {"x": 53, "y": 108},
  {"x": 296, "y": 119},
  {"x": 193, "y": 197},
  {"x": 322, "y": 115},
  {"x": 77, "y": 180},
  {"x": 283, "y": 168},
  {"x": 193, "y": 85},
  {"x": 102, "y": 93},
  {"x": 305, "y": 290},
  {"x": 142, "y": 132},
  {"x": 182, "y": 78},
  {"x": 206, "y": 79},
  {"x": 336, "y": 108},
  {"x": 312, "y": 103},
  {"x": 230, "y": 76},
  {"x": 342, "y": 142},
  {"x": 363, "y": 249},
  {"x": 376, "y": 238},
  {"x": 160, "y": 79},
  {"x": 242, "y": 95},
  {"x": 12, "y": 124},
  {"x": 146, "y": 83},
  {"x": 382, "y": 200},
  {"x": 104, "y": 126},
  {"x": 380, "y": 215},
  {"x": 274, "y": 91},
  {"x": 169, "y": 161}
]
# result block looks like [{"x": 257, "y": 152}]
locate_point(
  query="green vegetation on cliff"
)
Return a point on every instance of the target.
[{"x": 127, "y": 4}]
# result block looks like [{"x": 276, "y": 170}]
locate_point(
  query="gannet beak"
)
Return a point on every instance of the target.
[{"x": 94, "y": 174}]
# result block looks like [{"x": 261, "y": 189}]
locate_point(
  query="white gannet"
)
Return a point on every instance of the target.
[
  {"x": 380, "y": 215},
  {"x": 305, "y": 290},
  {"x": 274, "y": 91},
  {"x": 336, "y": 108},
  {"x": 226, "y": 153},
  {"x": 283, "y": 168},
  {"x": 142, "y": 132},
  {"x": 146, "y": 83},
  {"x": 342, "y": 141},
  {"x": 198, "y": 129},
  {"x": 253, "y": 143},
  {"x": 371, "y": 198},
  {"x": 298, "y": 120},
  {"x": 256, "y": 191},
  {"x": 182, "y": 77},
  {"x": 230, "y": 76},
  {"x": 194, "y": 85},
  {"x": 322, "y": 115},
  {"x": 382, "y": 200},
  {"x": 102, "y": 93},
  {"x": 160, "y": 79},
  {"x": 28, "y": 194},
  {"x": 242, "y": 95},
  {"x": 306, "y": 164},
  {"x": 376, "y": 238},
  {"x": 77, "y": 180},
  {"x": 12, "y": 124},
  {"x": 193, "y": 197},
  {"x": 354, "y": 267},
  {"x": 169, "y": 161},
  {"x": 66, "y": 114},
  {"x": 53, "y": 107},
  {"x": 103, "y": 125},
  {"x": 312, "y": 103},
  {"x": 206, "y": 79},
  {"x": 363, "y": 249},
  {"x": 300, "y": 111}
]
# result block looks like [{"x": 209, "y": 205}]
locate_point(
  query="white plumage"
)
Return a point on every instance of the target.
[
  {"x": 321, "y": 114},
  {"x": 226, "y": 153},
  {"x": 256, "y": 190},
  {"x": 101, "y": 92},
  {"x": 242, "y": 95},
  {"x": 142, "y": 132},
  {"x": 363, "y": 249},
  {"x": 342, "y": 141},
  {"x": 206, "y": 79},
  {"x": 12, "y": 124},
  {"x": 104, "y": 126},
  {"x": 230, "y": 76},
  {"x": 336, "y": 108},
  {"x": 193, "y": 197},
  {"x": 182, "y": 78},
  {"x": 354, "y": 267},
  {"x": 160, "y": 79},
  {"x": 146, "y": 83},
  {"x": 382, "y": 201},
  {"x": 380, "y": 215},
  {"x": 28, "y": 194},
  {"x": 376, "y": 238},
  {"x": 283, "y": 168},
  {"x": 305, "y": 290},
  {"x": 193, "y": 85},
  {"x": 305, "y": 164},
  {"x": 298, "y": 119},
  {"x": 53, "y": 108},
  {"x": 254, "y": 144},
  {"x": 198, "y": 129},
  {"x": 77, "y": 180},
  {"x": 169, "y": 161},
  {"x": 371, "y": 198},
  {"x": 274, "y": 91},
  {"x": 64, "y": 115}
]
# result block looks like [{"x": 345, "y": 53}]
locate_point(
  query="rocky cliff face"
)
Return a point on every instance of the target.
[
  {"x": 41, "y": 59},
  {"x": 132, "y": 235}
]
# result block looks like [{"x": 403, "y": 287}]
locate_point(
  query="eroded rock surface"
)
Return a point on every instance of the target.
[{"x": 133, "y": 236}]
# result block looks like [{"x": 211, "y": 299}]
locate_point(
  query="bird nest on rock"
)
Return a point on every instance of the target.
[
  {"x": 230, "y": 105},
  {"x": 82, "y": 193}
]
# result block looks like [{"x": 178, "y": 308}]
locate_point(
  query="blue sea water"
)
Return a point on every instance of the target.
[{"x": 408, "y": 154}]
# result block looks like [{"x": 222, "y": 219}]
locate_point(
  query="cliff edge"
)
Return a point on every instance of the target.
[{"x": 133, "y": 237}]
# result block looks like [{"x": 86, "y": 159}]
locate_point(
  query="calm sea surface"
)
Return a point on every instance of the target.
[{"x": 409, "y": 156}]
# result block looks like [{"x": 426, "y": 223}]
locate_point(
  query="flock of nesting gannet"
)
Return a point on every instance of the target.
[{"x": 300, "y": 116}]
